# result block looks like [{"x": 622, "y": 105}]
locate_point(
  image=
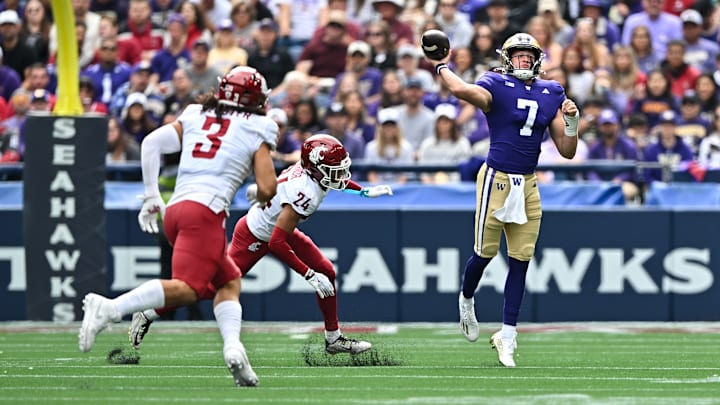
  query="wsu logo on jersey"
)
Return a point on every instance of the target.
[
  {"x": 317, "y": 154},
  {"x": 254, "y": 247}
]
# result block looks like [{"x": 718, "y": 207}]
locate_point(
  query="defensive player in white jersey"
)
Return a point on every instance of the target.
[
  {"x": 272, "y": 227},
  {"x": 221, "y": 140}
]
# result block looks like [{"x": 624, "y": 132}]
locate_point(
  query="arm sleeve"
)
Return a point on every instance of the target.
[
  {"x": 352, "y": 185},
  {"x": 160, "y": 141},
  {"x": 279, "y": 246}
]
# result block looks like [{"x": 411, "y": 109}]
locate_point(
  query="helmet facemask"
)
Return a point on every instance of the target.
[{"x": 335, "y": 177}]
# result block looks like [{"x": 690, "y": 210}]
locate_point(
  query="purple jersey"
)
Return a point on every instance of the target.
[{"x": 518, "y": 118}]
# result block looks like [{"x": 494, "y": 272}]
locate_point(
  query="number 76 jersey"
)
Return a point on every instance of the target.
[
  {"x": 518, "y": 118},
  {"x": 217, "y": 154}
]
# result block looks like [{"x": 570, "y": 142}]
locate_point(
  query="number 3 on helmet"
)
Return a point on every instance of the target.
[
  {"x": 243, "y": 86},
  {"x": 326, "y": 160}
]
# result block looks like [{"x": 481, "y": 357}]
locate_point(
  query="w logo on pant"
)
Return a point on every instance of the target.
[
  {"x": 516, "y": 181},
  {"x": 500, "y": 186}
]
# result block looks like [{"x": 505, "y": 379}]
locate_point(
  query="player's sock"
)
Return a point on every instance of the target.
[
  {"x": 473, "y": 272},
  {"x": 328, "y": 307},
  {"x": 332, "y": 335},
  {"x": 229, "y": 318},
  {"x": 149, "y": 294},
  {"x": 151, "y": 314},
  {"x": 508, "y": 332},
  {"x": 514, "y": 290}
]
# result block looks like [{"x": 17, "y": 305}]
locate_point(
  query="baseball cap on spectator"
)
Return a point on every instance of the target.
[
  {"x": 202, "y": 42},
  {"x": 413, "y": 83},
  {"x": 497, "y": 3},
  {"x": 9, "y": 17},
  {"x": 337, "y": 18},
  {"x": 143, "y": 66},
  {"x": 407, "y": 50},
  {"x": 446, "y": 110},
  {"x": 691, "y": 16},
  {"x": 607, "y": 116},
  {"x": 268, "y": 23},
  {"x": 690, "y": 97},
  {"x": 667, "y": 117},
  {"x": 278, "y": 115},
  {"x": 388, "y": 115},
  {"x": 358, "y": 47},
  {"x": 135, "y": 98},
  {"x": 40, "y": 95},
  {"x": 335, "y": 109},
  {"x": 225, "y": 25},
  {"x": 592, "y": 3},
  {"x": 86, "y": 81},
  {"x": 547, "y": 5},
  {"x": 178, "y": 18},
  {"x": 400, "y": 4},
  {"x": 637, "y": 119}
]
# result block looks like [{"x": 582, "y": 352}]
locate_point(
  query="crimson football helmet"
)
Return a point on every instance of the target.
[
  {"x": 326, "y": 160},
  {"x": 243, "y": 86}
]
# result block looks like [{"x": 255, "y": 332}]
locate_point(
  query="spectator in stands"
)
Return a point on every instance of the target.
[
  {"x": 699, "y": 52},
  {"x": 129, "y": 50},
  {"x": 669, "y": 150},
  {"x": 37, "y": 77},
  {"x": 326, "y": 58},
  {"x": 352, "y": 28},
  {"x": 121, "y": 147},
  {"x": 681, "y": 75},
  {"x": 161, "y": 10},
  {"x": 16, "y": 53},
  {"x": 443, "y": 96},
  {"x": 293, "y": 89},
  {"x": 414, "y": 119},
  {"x": 561, "y": 29},
  {"x": 499, "y": 21},
  {"x": 539, "y": 28},
  {"x": 287, "y": 151},
  {"x": 595, "y": 55},
  {"x": 454, "y": 23},
  {"x": 390, "y": 95},
  {"x": 202, "y": 75},
  {"x": 409, "y": 67},
  {"x": 344, "y": 86},
  {"x": 641, "y": 44},
  {"x": 447, "y": 145},
  {"x": 216, "y": 11},
  {"x": 579, "y": 78},
  {"x": 135, "y": 118},
  {"x": 139, "y": 28},
  {"x": 139, "y": 83},
  {"x": 639, "y": 131},
  {"x": 86, "y": 91},
  {"x": 549, "y": 154},
  {"x": 298, "y": 21},
  {"x": 336, "y": 126},
  {"x": 663, "y": 27},
  {"x": 267, "y": 56},
  {"x": 173, "y": 55},
  {"x": 305, "y": 119},
  {"x": 627, "y": 77},
  {"x": 709, "y": 154},
  {"x": 656, "y": 98},
  {"x": 707, "y": 91},
  {"x": 197, "y": 26},
  {"x": 12, "y": 143},
  {"x": 482, "y": 48},
  {"x": 462, "y": 64},
  {"x": 614, "y": 145},
  {"x": 378, "y": 36},
  {"x": 109, "y": 73},
  {"x": 692, "y": 127},
  {"x": 182, "y": 93},
  {"x": 389, "y": 147},
  {"x": 587, "y": 126},
  {"x": 358, "y": 124},
  {"x": 389, "y": 11},
  {"x": 9, "y": 79},
  {"x": 369, "y": 79},
  {"x": 35, "y": 29},
  {"x": 226, "y": 54},
  {"x": 606, "y": 32},
  {"x": 603, "y": 87},
  {"x": 91, "y": 22},
  {"x": 243, "y": 24}
]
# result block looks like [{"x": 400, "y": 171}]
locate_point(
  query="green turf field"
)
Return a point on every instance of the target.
[{"x": 181, "y": 363}]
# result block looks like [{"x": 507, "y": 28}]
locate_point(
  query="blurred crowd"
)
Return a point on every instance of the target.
[{"x": 645, "y": 73}]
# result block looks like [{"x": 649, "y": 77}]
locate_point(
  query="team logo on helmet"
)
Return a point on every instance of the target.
[{"x": 317, "y": 154}]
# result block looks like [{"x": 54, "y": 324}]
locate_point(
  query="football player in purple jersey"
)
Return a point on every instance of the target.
[{"x": 519, "y": 107}]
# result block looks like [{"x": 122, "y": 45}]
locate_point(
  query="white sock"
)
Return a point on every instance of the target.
[
  {"x": 508, "y": 332},
  {"x": 150, "y": 314},
  {"x": 147, "y": 295},
  {"x": 229, "y": 318},
  {"x": 332, "y": 335}
]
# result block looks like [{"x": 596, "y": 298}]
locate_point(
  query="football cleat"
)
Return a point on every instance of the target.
[
  {"x": 468, "y": 322},
  {"x": 237, "y": 362},
  {"x": 138, "y": 328},
  {"x": 505, "y": 349},
  {"x": 100, "y": 312},
  {"x": 345, "y": 345}
]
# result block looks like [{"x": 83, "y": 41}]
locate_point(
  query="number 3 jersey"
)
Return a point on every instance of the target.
[
  {"x": 518, "y": 117},
  {"x": 217, "y": 154},
  {"x": 296, "y": 188}
]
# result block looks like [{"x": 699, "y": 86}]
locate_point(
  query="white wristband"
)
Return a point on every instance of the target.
[{"x": 571, "y": 124}]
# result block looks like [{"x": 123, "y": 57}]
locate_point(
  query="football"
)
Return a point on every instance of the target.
[{"x": 435, "y": 44}]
